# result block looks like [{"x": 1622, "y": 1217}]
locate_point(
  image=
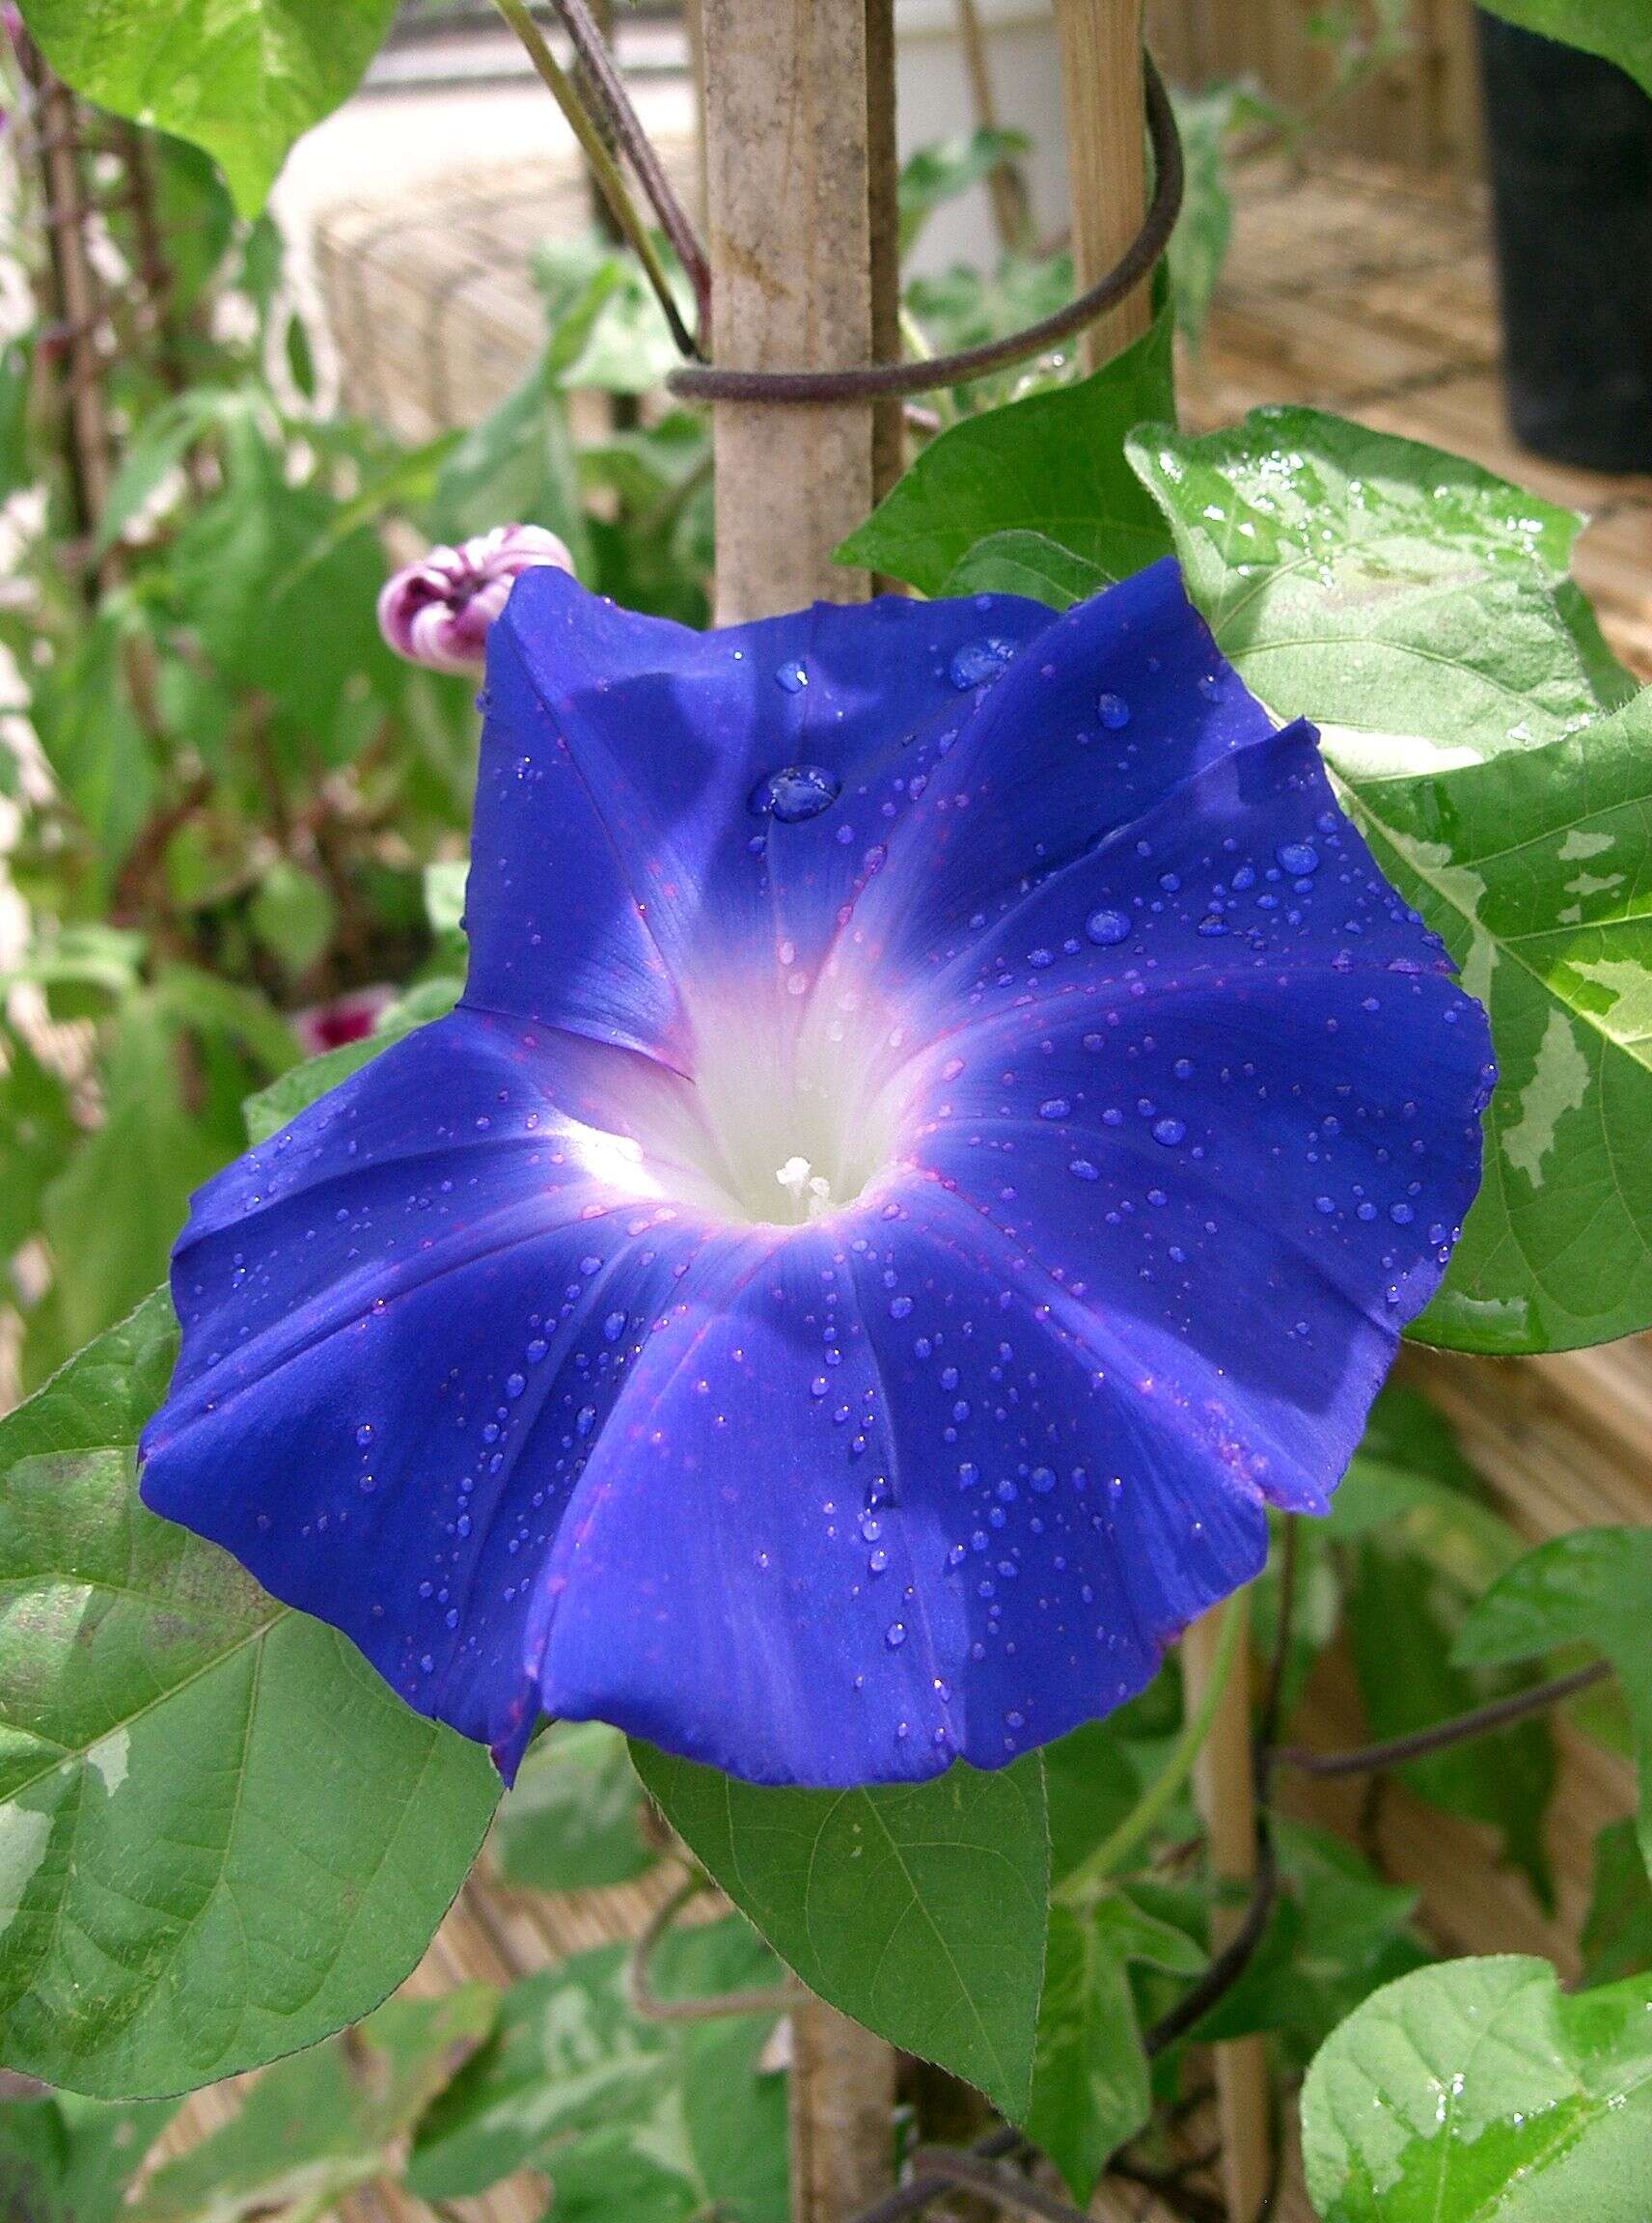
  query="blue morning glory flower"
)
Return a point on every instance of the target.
[{"x": 946, "y": 1124}]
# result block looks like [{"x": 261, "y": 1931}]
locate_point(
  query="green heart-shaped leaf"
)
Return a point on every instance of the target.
[
  {"x": 917, "y": 1909},
  {"x": 1053, "y": 463},
  {"x": 222, "y": 1836}
]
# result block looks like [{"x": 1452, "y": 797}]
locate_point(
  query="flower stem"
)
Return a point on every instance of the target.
[{"x": 1116, "y": 1848}]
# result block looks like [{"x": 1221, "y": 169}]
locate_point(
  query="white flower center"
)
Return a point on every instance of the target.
[
  {"x": 793, "y": 1110},
  {"x": 805, "y": 1187}
]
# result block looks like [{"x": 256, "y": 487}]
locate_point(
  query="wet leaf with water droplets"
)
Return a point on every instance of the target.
[
  {"x": 1404, "y": 599},
  {"x": 1418, "y": 610},
  {"x": 1536, "y": 871},
  {"x": 1477, "y": 2090}
]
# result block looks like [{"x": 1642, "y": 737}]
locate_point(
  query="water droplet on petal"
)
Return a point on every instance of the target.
[
  {"x": 1107, "y": 928},
  {"x": 794, "y": 793},
  {"x": 1299, "y": 858},
  {"x": 793, "y": 677},
  {"x": 1113, "y": 710},
  {"x": 978, "y": 661}
]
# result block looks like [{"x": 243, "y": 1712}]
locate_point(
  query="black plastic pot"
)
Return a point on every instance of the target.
[{"x": 1569, "y": 149}]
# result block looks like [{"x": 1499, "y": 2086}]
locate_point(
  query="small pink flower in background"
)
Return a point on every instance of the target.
[
  {"x": 349, "y": 1018},
  {"x": 437, "y": 612}
]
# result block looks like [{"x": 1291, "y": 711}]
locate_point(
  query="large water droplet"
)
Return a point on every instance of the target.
[
  {"x": 978, "y": 661},
  {"x": 794, "y": 793},
  {"x": 1299, "y": 858},
  {"x": 1107, "y": 928},
  {"x": 793, "y": 677},
  {"x": 1113, "y": 710}
]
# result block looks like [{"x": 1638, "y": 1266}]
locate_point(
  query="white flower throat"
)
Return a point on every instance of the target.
[{"x": 790, "y": 1112}]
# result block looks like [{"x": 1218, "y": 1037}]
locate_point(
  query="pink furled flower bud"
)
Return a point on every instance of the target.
[{"x": 437, "y": 612}]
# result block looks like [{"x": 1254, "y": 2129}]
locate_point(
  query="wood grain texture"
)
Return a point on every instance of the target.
[
  {"x": 1107, "y": 165},
  {"x": 789, "y": 196}
]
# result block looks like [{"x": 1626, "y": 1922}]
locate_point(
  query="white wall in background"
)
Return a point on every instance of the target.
[{"x": 932, "y": 96}]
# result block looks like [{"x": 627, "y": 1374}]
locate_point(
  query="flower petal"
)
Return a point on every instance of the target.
[
  {"x": 873, "y": 1505},
  {"x": 1124, "y": 700},
  {"x": 1220, "y": 1035},
  {"x": 404, "y": 1318},
  {"x": 629, "y": 835}
]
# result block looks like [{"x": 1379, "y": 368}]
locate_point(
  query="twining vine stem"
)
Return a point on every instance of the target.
[
  {"x": 645, "y": 2000},
  {"x": 1479, "y": 1721},
  {"x": 601, "y": 163},
  {"x": 697, "y": 380}
]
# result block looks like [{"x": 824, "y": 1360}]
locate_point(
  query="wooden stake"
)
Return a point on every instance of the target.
[
  {"x": 790, "y": 214},
  {"x": 842, "y": 2115},
  {"x": 1105, "y": 100},
  {"x": 1226, "y": 1788},
  {"x": 799, "y": 139}
]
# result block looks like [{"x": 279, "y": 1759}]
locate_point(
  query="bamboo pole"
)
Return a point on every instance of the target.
[
  {"x": 1224, "y": 1786},
  {"x": 789, "y": 212},
  {"x": 799, "y": 141},
  {"x": 1105, "y": 100}
]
